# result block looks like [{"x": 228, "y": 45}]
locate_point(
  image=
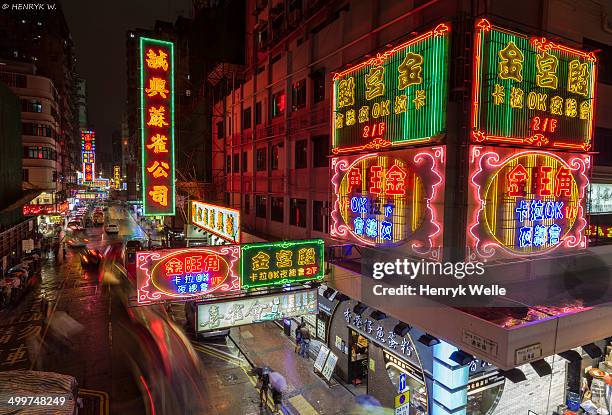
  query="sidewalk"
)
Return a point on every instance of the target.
[{"x": 265, "y": 344}]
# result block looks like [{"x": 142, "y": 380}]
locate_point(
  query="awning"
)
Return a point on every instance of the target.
[{"x": 27, "y": 197}]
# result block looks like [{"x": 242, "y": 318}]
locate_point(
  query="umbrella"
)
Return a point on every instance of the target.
[{"x": 277, "y": 381}]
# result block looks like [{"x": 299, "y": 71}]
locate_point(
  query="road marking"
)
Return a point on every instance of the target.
[
  {"x": 103, "y": 396},
  {"x": 302, "y": 405},
  {"x": 220, "y": 356},
  {"x": 231, "y": 356}
]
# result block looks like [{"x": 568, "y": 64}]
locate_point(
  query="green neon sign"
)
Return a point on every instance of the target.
[
  {"x": 398, "y": 97},
  {"x": 279, "y": 263},
  {"x": 156, "y": 90}
]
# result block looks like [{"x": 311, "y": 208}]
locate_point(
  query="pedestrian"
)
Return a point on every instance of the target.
[
  {"x": 263, "y": 379},
  {"x": 298, "y": 337},
  {"x": 277, "y": 397},
  {"x": 305, "y": 342}
]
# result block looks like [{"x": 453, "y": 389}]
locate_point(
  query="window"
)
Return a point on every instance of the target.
[
  {"x": 604, "y": 60},
  {"x": 278, "y": 104},
  {"x": 245, "y": 165},
  {"x": 246, "y": 118},
  {"x": 260, "y": 206},
  {"x": 25, "y": 175},
  {"x": 220, "y": 129},
  {"x": 247, "y": 204},
  {"x": 297, "y": 213},
  {"x": 261, "y": 159},
  {"x": 39, "y": 152},
  {"x": 258, "y": 113},
  {"x": 236, "y": 163},
  {"x": 603, "y": 146},
  {"x": 41, "y": 130},
  {"x": 228, "y": 167},
  {"x": 274, "y": 157},
  {"x": 31, "y": 105},
  {"x": 320, "y": 148},
  {"x": 301, "y": 154},
  {"x": 275, "y": 59},
  {"x": 320, "y": 218},
  {"x": 318, "y": 86},
  {"x": 260, "y": 69},
  {"x": 54, "y": 176},
  {"x": 277, "y": 211},
  {"x": 298, "y": 95}
]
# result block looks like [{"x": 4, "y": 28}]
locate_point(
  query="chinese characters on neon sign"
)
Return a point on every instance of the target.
[
  {"x": 221, "y": 221},
  {"x": 117, "y": 177},
  {"x": 390, "y": 198},
  {"x": 279, "y": 263},
  {"x": 88, "y": 154},
  {"x": 397, "y": 97},
  {"x": 525, "y": 202},
  {"x": 157, "y": 125},
  {"x": 184, "y": 273},
  {"x": 531, "y": 91}
]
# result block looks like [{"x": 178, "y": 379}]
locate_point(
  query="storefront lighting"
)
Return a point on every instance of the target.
[
  {"x": 514, "y": 375},
  {"x": 401, "y": 329},
  {"x": 592, "y": 350},
  {"x": 378, "y": 315},
  {"x": 359, "y": 308},
  {"x": 461, "y": 358},
  {"x": 571, "y": 355},
  {"x": 541, "y": 367},
  {"x": 428, "y": 340}
]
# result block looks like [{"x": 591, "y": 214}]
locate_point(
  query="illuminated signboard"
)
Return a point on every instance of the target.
[
  {"x": 157, "y": 126},
  {"x": 117, "y": 177},
  {"x": 531, "y": 91},
  {"x": 599, "y": 231},
  {"x": 525, "y": 202},
  {"x": 284, "y": 262},
  {"x": 397, "y": 97},
  {"x": 389, "y": 199},
  {"x": 90, "y": 195},
  {"x": 183, "y": 273},
  {"x": 600, "y": 198},
  {"x": 221, "y": 221},
  {"x": 88, "y": 155},
  {"x": 221, "y": 315},
  {"x": 45, "y": 209}
]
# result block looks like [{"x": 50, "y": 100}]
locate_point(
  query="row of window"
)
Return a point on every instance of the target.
[
  {"x": 278, "y": 103},
  {"x": 39, "y": 152},
  {"x": 40, "y": 130},
  {"x": 297, "y": 211},
  {"x": 320, "y": 146},
  {"x": 31, "y": 105}
]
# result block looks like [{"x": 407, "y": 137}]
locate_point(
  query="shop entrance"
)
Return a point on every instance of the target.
[{"x": 358, "y": 364}]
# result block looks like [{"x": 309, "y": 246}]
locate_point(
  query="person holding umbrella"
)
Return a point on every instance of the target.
[
  {"x": 263, "y": 379},
  {"x": 277, "y": 383}
]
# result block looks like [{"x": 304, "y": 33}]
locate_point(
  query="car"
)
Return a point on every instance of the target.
[
  {"x": 91, "y": 258},
  {"x": 112, "y": 228},
  {"x": 74, "y": 242}
]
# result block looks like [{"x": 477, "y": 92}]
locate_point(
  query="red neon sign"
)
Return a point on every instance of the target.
[{"x": 186, "y": 273}]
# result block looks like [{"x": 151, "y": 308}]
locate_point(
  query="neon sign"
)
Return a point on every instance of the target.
[
  {"x": 185, "y": 273},
  {"x": 157, "y": 126},
  {"x": 599, "y": 231},
  {"x": 391, "y": 198},
  {"x": 531, "y": 91},
  {"x": 88, "y": 155},
  {"x": 397, "y": 97},
  {"x": 117, "y": 177},
  {"x": 279, "y": 263},
  {"x": 525, "y": 202},
  {"x": 221, "y": 221}
]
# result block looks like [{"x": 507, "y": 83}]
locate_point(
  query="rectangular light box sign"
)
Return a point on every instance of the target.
[
  {"x": 257, "y": 309},
  {"x": 175, "y": 274},
  {"x": 279, "y": 263},
  {"x": 525, "y": 203},
  {"x": 221, "y": 221},
  {"x": 395, "y": 98},
  {"x": 531, "y": 91},
  {"x": 157, "y": 126}
]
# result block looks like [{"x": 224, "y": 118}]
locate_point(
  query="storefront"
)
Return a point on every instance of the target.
[
  {"x": 49, "y": 225},
  {"x": 378, "y": 356}
]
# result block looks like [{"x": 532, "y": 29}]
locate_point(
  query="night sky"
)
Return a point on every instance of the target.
[{"x": 98, "y": 30}]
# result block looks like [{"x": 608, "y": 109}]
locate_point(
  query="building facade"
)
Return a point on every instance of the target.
[{"x": 278, "y": 131}]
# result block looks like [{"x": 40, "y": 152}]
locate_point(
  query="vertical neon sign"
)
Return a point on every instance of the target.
[
  {"x": 88, "y": 154},
  {"x": 157, "y": 126}
]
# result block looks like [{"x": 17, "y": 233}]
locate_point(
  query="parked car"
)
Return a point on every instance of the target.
[{"x": 112, "y": 228}]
